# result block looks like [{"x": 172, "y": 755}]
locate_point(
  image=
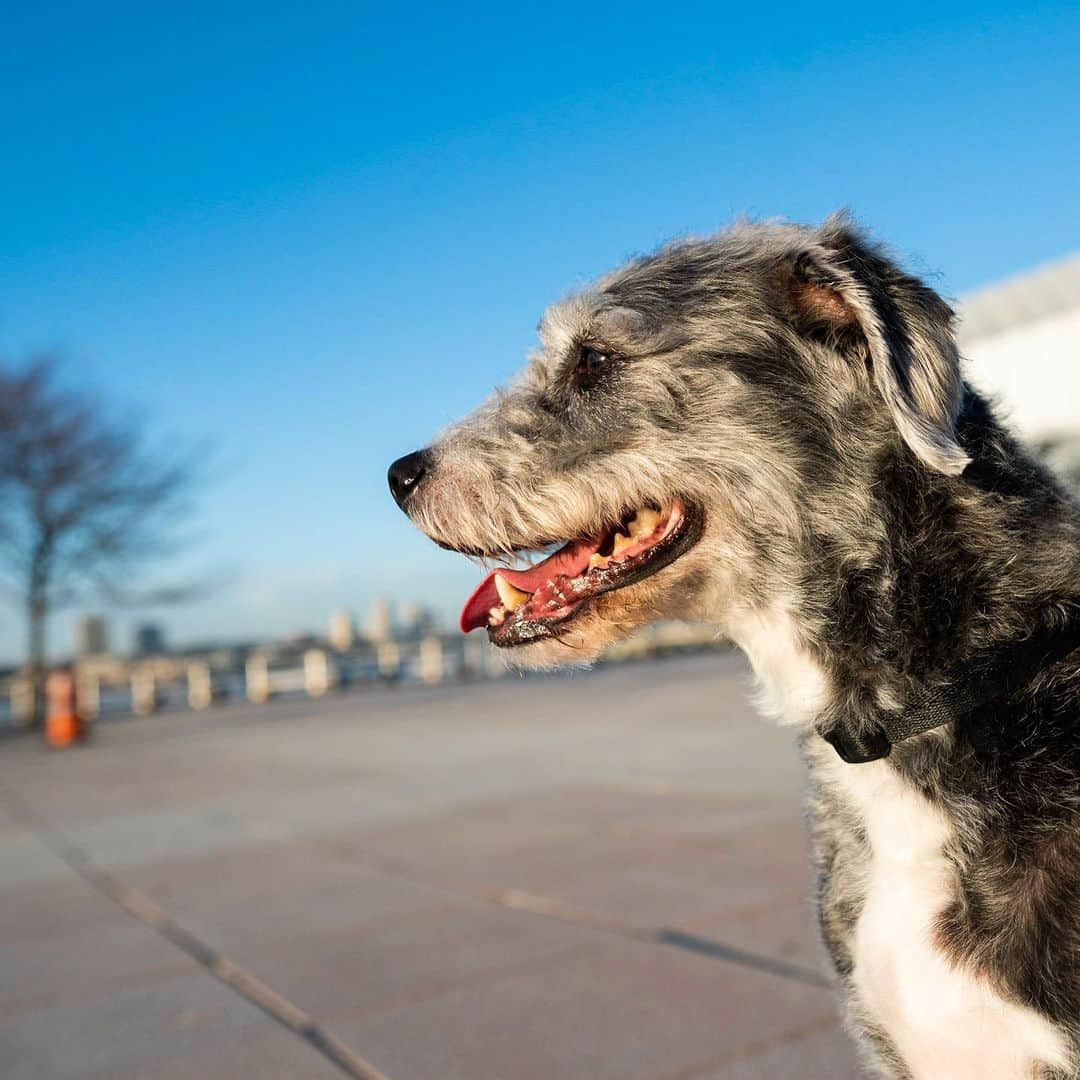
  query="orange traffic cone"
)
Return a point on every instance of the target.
[{"x": 63, "y": 725}]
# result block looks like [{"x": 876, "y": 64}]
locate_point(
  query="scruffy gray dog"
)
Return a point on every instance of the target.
[{"x": 769, "y": 430}]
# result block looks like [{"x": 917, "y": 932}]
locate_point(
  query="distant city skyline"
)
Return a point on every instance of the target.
[
  {"x": 312, "y": 238},
  {"x": 102, "y": 633}
]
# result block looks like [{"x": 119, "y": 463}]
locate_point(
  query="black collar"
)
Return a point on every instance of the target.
[{"x": 990, "y": 676}]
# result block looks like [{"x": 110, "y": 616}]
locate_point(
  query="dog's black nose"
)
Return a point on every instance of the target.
[{"x": 406, "y": 473}]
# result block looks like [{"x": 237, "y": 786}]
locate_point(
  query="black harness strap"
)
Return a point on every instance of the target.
[{"x": 989, "y": 677}]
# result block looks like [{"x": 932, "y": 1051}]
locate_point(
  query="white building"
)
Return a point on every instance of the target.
[
  {"x": 379, "y": 625},
  {"x": 1021, "y": 341},
  {"x": 342, "y": 631}
]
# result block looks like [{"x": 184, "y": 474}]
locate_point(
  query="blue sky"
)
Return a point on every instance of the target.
[{"x": 315, "y": 233}]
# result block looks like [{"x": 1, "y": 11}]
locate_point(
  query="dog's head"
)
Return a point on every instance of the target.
[{"x": 685, "y": 424}]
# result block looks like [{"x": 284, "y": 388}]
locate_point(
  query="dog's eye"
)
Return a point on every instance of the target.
[{"x": 591, "y": 366}]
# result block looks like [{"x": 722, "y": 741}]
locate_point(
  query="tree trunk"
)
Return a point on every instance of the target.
[{"x": 35, "y": 657}]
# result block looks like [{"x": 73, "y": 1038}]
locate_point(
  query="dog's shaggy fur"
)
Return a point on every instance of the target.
[{"x": 869, "y": 526}]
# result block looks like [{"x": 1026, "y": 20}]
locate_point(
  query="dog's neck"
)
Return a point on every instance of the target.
[
  {"x": 793, "y": 685},
  {"x": 948, "y": 570},
  {"x": 795, "y": 688}
]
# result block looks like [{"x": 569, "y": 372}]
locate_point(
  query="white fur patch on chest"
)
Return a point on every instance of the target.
[
  {"x": 943, "y": 1019},
  {"x": 792, "y": 687}
]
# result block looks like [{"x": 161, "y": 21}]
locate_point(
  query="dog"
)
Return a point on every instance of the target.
[{"x": 769, "y": 430}]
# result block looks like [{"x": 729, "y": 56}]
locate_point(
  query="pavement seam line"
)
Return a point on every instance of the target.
[
  {"x": 226, "y": 971},
  {"x": 705, "y": 946},
  {"x": 672, "y": 937},
  {"x": 751, "y": 1050},
  {"x": 546, "y": 907}
]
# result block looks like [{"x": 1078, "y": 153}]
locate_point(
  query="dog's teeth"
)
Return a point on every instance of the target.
[
  {"x": 621, "y": 544},
  {"x": 512, "y": 598},
  {"x": 497, "y": 615},
  {"x": 596, "y": 559},
  {"x": 644, "y": 523}
]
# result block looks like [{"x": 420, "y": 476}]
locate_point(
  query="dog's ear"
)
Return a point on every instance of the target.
[{"x": 844, "y": 291}]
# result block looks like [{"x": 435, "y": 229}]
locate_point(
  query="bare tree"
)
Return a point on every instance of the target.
[{"x": 86, "y": 504}]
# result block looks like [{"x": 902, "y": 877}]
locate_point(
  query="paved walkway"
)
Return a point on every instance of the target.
[{"x": 597, "y": 876}]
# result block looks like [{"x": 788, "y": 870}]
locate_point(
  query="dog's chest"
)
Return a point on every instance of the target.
[{"x": 942, "y": 1019}]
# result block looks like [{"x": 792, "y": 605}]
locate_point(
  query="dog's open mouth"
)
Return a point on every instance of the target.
[{"x": 519, "y": 606}]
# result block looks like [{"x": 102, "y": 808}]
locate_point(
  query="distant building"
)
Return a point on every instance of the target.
[
  {"x": 379, "y": 626},
  {"x": 1021, "y": 339},
  {"x": 342, "y": 631},
  {"x": 415, "y": 621},
  {"x": 149, "y": 640},
  {"x": 92, "y": 636},
  {"x": 293, "y": 643}
]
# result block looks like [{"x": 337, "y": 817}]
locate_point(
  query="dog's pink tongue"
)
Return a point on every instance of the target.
[{"x": 571, "y": 560}]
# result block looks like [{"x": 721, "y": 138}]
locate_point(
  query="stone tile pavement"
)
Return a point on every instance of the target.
[{"x": 594, "y": 876}]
